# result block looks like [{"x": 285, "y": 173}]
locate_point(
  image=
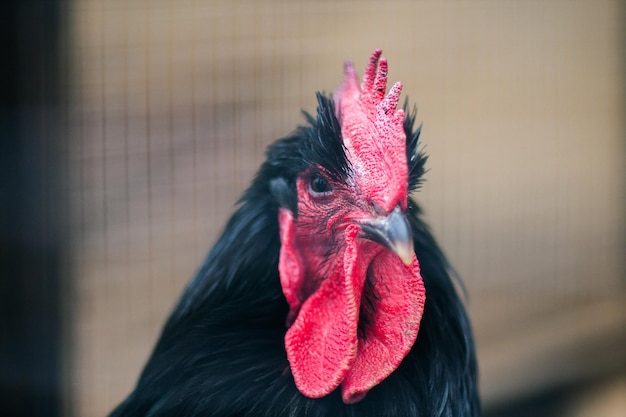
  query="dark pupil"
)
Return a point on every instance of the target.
[{"x": 319, "y": 185}]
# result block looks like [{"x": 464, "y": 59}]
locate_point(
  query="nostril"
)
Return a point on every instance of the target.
[
  {"x": 384, "y": 209},
  {"x": 378, "y": 209}
]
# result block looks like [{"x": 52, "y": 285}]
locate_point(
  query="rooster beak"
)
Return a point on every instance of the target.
[{"x": 393, "y": 232}]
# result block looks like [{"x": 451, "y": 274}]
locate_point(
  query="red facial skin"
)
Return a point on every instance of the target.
[{"x": 324, "y": 264}]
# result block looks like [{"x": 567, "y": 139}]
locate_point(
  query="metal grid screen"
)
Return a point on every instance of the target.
[{"x": 173, "y": 102}]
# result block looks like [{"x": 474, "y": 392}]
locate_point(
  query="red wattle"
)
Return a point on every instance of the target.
[
  {"x": 393, "y": 330},
  {"x": 322, "y": 342}
]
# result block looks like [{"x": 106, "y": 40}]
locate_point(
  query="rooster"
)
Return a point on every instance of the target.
[{"x": 326, "y": 294}]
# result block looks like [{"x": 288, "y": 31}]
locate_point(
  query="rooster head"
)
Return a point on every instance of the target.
[{"x": 347, "y": 265}]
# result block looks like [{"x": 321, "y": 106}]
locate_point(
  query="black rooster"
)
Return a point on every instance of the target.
[{"x": 326, "y": 295}]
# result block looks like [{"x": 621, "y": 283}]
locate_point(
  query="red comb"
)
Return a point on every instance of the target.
[{"x": 372, "y": 129}]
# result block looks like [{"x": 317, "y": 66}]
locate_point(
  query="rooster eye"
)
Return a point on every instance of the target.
[{"x": 319, "y": 186}]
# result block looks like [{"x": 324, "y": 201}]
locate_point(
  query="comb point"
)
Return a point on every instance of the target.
[
  {"x": 370, "y": 71},
  {"x": 390, "y": 103},
  {"x": 380, "y": 83}
]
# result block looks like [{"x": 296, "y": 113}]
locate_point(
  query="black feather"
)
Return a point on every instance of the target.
[
  {"x": 416, "y": 159},
  {"x": 221, "y": 352}
]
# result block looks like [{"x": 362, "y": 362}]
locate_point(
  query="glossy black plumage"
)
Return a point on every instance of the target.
[{"x": 221, "y": 352}]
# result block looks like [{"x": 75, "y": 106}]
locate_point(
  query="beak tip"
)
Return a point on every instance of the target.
[{"x": 405, "y": 254}]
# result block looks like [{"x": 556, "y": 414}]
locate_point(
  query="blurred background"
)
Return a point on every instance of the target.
[{"x": 132, "y": 127}]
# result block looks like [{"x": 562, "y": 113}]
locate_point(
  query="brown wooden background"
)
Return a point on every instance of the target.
[{"x": 172, "y": 103}]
